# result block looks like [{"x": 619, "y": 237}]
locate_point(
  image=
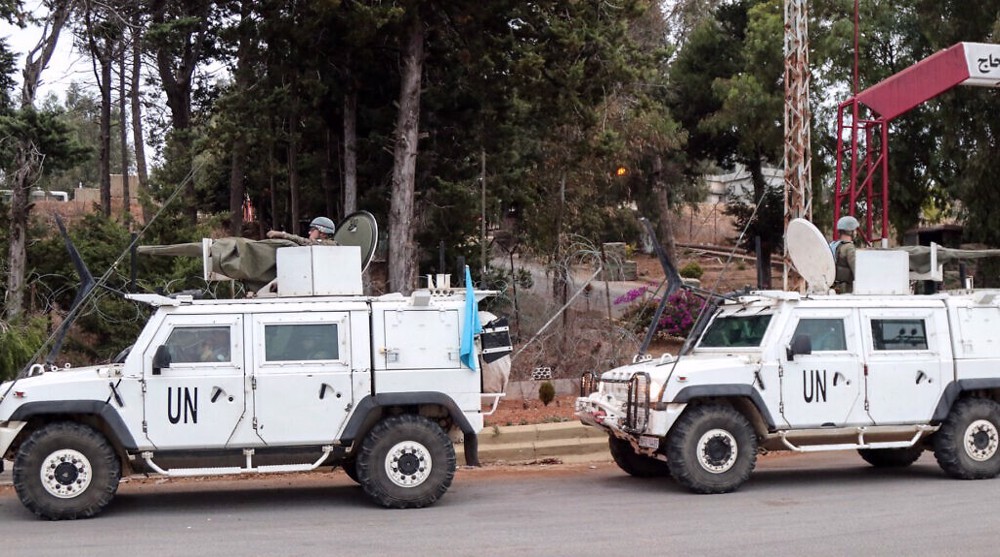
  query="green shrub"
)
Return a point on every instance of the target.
[
  {"x": 18, "y": 342},
  {"x": 546, "y": 392},
  {"x": 692, "y": 270}
]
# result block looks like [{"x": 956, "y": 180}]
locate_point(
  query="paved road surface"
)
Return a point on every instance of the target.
[{"x": 818, "y": 504}]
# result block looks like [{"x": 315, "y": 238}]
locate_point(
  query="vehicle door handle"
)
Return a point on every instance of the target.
[
  {"x": 840, "y": 376},
  {"x": 323, "y": 388},
  {"x": 921, "y": 376},
  {"x": 217, "y": 392}
]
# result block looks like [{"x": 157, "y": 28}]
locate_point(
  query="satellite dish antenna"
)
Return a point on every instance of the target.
[
  {"x": 810, "y": 254},
  {"x": 359, "y": 229}
]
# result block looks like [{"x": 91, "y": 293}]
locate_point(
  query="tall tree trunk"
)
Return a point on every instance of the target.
[
  {"x": 237, "y": 171},
  {"x": 236, "y": 188},
  {"x": 402, "y": 251},
  {"x": 102, "y": 49},
  {"x": 331, "y": 201},
  {"x": 755, "y": 166},
  {"x": 123, "y": 137},
  {"x": 272, "y": 183},
  {"x": 104, "y": 156},
  {"x": 176, "y": 70},
  {"x": 27, "y": 160},
  {"x": 293, "y": 166},
  {"x": 665, "y": 230},
  {"x": 137, "y": 139},
  {"x": 350, "y": 149}
]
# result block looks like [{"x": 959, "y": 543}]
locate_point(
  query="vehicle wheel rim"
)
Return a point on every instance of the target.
[
  {"x": 981, "y": 440},
  {"x": 717, "y": 451},
  {"x": 66, "y": 473},
  {"x": 408, "y": 464}
]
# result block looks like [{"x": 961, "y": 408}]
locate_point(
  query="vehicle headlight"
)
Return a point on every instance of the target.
[{"x": 654, "y": 390}]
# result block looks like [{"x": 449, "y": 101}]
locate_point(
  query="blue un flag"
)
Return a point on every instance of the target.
[{"x": 470, "y": 325}]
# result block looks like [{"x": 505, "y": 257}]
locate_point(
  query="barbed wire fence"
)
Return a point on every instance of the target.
[{"x": 575, "y": 333}]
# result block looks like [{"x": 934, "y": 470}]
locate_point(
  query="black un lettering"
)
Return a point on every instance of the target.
[
  {"x": 814, "y": 385},
  {"x": 186, "y": 406}
]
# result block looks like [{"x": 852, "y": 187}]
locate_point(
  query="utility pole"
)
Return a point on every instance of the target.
[
  {"x": 798, "y": 154},
  {"x": 482, "y": 217}
]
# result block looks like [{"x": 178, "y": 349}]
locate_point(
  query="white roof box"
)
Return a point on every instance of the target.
[
  {"x": 319, "y": 271},
  {"x": 884, "y": 272}
]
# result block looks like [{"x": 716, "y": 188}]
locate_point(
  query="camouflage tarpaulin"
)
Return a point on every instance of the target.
[
  {"x": 249, "y": 261},
  {"x": 920, "y": 256}
]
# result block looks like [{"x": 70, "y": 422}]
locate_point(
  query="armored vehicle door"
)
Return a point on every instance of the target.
[
  {"x": 302, "y": 378},
  {"x": 198, "y": 398},
  {"x": 906, "y": 350},
  {"x": 822, "y": 386}
]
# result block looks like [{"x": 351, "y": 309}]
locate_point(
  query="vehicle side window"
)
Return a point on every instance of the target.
[
  {"x": 826, "y": 334},
  {"x": 301, "y": 342},
  {"x": 736, "y": 332},
  {"x": 899, "y": 334},
  {"x": 199, "y": 345}
]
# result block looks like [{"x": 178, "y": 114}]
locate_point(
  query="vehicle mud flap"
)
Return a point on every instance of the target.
[{"x": 472, "y": 450}]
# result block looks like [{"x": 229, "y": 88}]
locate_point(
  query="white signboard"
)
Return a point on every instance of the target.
[{"x": 983, "y": 61}]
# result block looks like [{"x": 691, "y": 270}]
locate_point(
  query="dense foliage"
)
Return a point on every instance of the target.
[
  {"x": 678, "y": 317},
  {"x": 539, "y": 120}
]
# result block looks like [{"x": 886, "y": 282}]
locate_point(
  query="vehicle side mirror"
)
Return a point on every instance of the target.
[
  {"x": 801, "y": 344},
  {"x": 161, "y": 358}
]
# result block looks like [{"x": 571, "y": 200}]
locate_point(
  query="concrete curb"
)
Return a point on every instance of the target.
[{"x": 566, "y": 441}]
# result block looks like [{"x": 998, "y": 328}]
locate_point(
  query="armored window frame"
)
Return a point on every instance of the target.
[
  {"x": 899, "y": 334},
  {"x": 736, "y": 331},
  {"x": 284, "y": 342},
  {"x": 186, "y": 344},
  {"x": 826, "y": 334}
]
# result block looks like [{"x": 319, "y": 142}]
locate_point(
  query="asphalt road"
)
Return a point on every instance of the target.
[{"x": 818, "y": 504}]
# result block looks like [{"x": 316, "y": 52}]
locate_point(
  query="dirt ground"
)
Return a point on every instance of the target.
[
  {"x": 531, "y": 411},
  {"x": 737, "y": 274}
]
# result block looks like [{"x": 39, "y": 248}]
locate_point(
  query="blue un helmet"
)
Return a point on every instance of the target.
[
  {"x": 848, "y": 224},
  {"x": 322, "y": 224}
]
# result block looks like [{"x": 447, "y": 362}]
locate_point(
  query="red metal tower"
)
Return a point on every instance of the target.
[{"x": 863, "y": 124}]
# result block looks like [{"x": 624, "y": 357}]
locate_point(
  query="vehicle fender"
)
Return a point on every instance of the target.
[
  {"x": 687, "y": 394},
  {"x": 369, "y": 410},
  {"x": 98, "y": 408},
  {"x": 956, "y": 388}
]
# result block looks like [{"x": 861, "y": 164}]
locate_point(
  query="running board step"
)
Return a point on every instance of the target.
[
  {"x": 229, "y": 470},
  {"x": 919, "y": 432}
]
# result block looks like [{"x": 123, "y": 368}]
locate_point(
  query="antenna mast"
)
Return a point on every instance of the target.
[{"x": 798, "y": 154}]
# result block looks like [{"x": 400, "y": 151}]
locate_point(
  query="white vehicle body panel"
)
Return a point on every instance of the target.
[
  {"x": 892, "y": 363},
  {"x": 244, "y": 400}
]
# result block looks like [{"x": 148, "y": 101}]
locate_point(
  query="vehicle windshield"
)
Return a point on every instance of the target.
[{"x": 736, "y": 332}]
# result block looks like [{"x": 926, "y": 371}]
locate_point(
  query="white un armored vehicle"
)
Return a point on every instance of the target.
[
  {"x": 880, "y": 371},
  {"x": 313, "y": 374}
]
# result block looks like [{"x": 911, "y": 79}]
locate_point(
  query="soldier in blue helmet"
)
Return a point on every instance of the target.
[
  {"x": 844, "y": 251},
  {"x": 320, "y": 234}
]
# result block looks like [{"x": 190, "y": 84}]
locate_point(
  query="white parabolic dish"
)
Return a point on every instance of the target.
[{"x": 810, "y": 253}]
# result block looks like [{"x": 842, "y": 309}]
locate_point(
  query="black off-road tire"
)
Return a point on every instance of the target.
[
  {"x": 406, "y": 461},
  {"x": 350, "y": 466},
  {"x": 640, "y": 466},
  {"x": 892, "y": 458},
  {"x": 712, "y": 448},
  {"x": 66, "y": 471},
  {"x": 967, "y": 446}
]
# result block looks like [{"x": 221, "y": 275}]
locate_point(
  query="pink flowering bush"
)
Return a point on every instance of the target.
[{"x": 678, "y": 315}]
